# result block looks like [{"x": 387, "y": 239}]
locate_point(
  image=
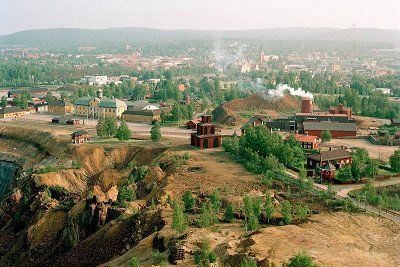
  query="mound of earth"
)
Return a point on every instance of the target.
[{"x": 227, "y": 113}]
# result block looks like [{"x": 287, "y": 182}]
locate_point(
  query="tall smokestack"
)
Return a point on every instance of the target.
[{"x": 307, "y": 105}]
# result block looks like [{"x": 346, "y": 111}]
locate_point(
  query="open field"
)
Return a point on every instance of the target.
[{"x": 375, "y": 151}]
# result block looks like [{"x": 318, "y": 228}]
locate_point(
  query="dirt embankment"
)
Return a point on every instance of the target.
[
  {"x": 100, "y": 165},
  {"x": 228, "y": 113}
]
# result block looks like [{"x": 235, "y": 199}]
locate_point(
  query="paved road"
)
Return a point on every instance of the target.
[{"x": 343, "y": 190}]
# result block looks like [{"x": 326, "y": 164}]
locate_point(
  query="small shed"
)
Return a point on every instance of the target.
[
  {"x": 192, "y": 124},
  {"x": 328, "y": 171}
]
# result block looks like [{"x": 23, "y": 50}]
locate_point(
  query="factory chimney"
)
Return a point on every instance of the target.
[{"x": 307, "y": 105}]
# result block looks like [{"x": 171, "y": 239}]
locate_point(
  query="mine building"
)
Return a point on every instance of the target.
[
  {"x": 205, "y": 137},
  {"x": 395, "y": 122},
  {"x": 192, "y": 124},
  {"x": 80, "y": 137},
  {"x": 335, "y": 128}
]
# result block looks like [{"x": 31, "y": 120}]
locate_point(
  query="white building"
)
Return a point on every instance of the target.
[{"x": 94, "y": 80}]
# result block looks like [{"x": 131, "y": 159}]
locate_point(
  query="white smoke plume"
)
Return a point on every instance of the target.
[{"x": 282, "y": 88}]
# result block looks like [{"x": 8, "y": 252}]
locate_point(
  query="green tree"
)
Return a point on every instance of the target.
[
  {"x": 155, "y": 132},
  {"x": 395, "y": 161},
  {"x": 302, "y": 212},
  {"x": 188, "y": 200},
  {"x": 3, "y": 101},
  {"x": 257, "y": 207},
  {"x": 123, "y": 132},
  {"x": 49, "y": 97},
  {"x": 269, "y": 208},
  {"x": 344, "y": 174},
  {"x": 207, "y": 216},
  {"x": 179, "y": 220},
  {"x": 111, "y": 126},
  {"x": 326, "y": 136},
  {"x": 101, "y": 128},
  {"x": 286, "y": 210},
  {"x": 251, "y": 221},
  {"x": 229, "y": 214},
  {"x": 215, "y": 200}
]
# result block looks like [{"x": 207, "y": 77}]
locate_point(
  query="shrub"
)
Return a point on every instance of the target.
[
  {"x": 301, "y": 260},
  {"x": 134, "y": 262},
  {"x": 157, "y": 257},
  {"x": 302, "y": 212}
]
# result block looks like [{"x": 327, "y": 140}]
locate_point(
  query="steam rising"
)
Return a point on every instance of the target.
[{"x": 282, "y": 88}]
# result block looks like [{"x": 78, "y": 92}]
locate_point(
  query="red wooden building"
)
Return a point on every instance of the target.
[
  {"x": 306, "y": 141},
  {"x": 337, "y": 129},
  {"x": 329, "y": 161},
  {"x": 205, "y": 137},
  {"x": 80, "y": 137}
]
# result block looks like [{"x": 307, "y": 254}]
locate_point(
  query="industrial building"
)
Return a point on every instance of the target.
[{"x": 205, "y": 137}]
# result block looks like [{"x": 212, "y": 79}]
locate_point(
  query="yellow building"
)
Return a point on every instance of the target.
[
  {"x": 61, "y": 107},
  {"x": 12, "y": 112},
  {"x": 99, "y": 107}
]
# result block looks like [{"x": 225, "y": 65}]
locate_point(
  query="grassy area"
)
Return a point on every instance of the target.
[
  {"x": 115, "y": 140},
  {"x": 385, "y": 172},
  {"x": 386, "y": 197}
]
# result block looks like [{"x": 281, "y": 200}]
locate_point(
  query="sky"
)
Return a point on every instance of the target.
[{"x": 16, "y": 15}]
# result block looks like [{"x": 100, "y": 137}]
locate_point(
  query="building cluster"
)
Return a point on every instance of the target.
[{"x": 338, "y": 120}]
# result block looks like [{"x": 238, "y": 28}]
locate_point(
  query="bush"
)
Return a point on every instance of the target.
[{"x": 251, "y": 221}]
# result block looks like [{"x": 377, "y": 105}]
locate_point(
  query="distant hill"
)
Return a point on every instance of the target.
[{"x": 80, "y": 37}]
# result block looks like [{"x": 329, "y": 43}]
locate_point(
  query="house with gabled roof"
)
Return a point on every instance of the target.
[{"x": 255, "y": 121}]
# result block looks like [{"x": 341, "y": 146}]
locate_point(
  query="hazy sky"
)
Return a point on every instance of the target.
[{"x": 16, "y": 15}]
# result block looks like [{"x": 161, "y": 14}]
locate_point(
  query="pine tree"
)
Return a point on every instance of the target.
[
  {"x": 155, "y": 132},
  {"x": 286, "y": 210},
  {"x": 101, "y": 128},
  {"x": 229, "y": 214},
  {"x": 269, "y": 208},
  {"x": 188, "y": 200},
  {"x": 123, "y": 132},
  {"x": 179, "y": 220},
  {"x": 251, "y": 221},
  {"x": 215, "y": 200}
]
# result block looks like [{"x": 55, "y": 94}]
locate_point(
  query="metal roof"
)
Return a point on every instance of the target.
[{"x": 330, "y": 126}]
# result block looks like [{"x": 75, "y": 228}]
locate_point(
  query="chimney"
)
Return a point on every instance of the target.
[{"x": 306, "y": 105}]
